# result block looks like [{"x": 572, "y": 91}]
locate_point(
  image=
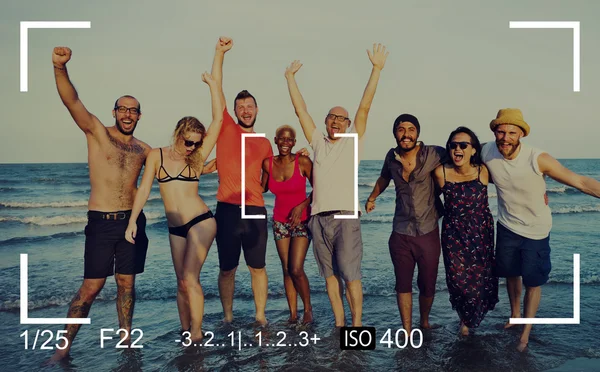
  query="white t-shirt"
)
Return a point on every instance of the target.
[
  {"x": 333, "y": 173},
  {"x": 521, "y": 188}
]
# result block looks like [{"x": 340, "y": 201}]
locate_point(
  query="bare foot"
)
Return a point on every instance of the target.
[
  {"x": 464, "y": 330},
  {"x": 522, "y": 346},
  {"x": 308, "y": 317},
  {"x": 261, "y": 322},
  {"x": 292, "y": 319},
  {"x": 197, "y": 337},
  {"x": 426, "y": 325},
  {"x": 510, "y": 325},
  {"x": 228, "y": 319},
  {"x": 57, "y": 357}
]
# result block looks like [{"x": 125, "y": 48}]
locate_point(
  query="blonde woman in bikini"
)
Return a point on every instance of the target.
[{"x": 192, "y": 227}]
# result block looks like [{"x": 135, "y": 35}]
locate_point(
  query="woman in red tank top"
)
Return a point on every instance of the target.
[{"x": 285, "y": 175}]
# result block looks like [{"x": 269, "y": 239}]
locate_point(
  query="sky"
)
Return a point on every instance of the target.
[{"x": 451, "y": 63}]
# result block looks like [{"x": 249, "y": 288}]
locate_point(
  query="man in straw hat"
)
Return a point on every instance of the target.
[{"x": 524, "y": 218}]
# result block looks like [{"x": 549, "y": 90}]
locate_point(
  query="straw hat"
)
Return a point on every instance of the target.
[{"x": 510, "y": 116}]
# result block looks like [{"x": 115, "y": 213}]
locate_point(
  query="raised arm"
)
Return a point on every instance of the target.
[
  {"x": 223, "y": 45},
  {"x": 217, "y": 116},
  {"x": 143, "y": 192},
  {"x": 553, "y": 168},
  {"x": 380, "y": 186},
  {"x": 306, "y": 121},
  {"x": 87, "y": 122},
  {"x": 377, "y": 57},
  {"x": 210, "y": 166}
]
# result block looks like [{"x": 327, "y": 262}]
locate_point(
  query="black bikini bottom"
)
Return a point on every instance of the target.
[{"x": 183, "y": 229}]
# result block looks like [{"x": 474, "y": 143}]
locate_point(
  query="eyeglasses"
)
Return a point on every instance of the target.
[
  {"x": 191, "y": 143},
  {"x": 123, "y": 109},
  {"x": 463, "y": 145},
  {"x": 338, "y": 118}
]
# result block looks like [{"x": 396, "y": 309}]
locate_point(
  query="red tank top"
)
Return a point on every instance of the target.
[{"x": 288, "y": 194}]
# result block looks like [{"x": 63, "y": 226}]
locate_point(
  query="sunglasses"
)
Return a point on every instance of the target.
[
  {"x": 463, "y": 145},
  {"x": 191, "y": 143}
]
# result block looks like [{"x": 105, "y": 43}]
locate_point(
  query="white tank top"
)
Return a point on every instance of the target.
[{"x": 521, "y": 188}]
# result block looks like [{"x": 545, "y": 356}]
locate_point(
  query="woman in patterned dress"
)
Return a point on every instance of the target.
[{"x": 467, "y": 230}]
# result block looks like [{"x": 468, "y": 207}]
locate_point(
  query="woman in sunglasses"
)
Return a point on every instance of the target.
[
  {"x": 467, "y": 230},
  {"x": 285, "y": 175},
  {"x": 192, "y": 227}
]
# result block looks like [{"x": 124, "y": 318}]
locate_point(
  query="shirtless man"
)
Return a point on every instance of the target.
[{"x": 115, "y": 160}]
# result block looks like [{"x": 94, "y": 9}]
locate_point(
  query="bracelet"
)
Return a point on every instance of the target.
[
  {"x": 58, "y": 68},
  {"x": 371, "y": 200}
]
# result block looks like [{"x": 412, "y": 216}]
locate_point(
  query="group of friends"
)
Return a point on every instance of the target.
[{"x": 116, "y": 242}]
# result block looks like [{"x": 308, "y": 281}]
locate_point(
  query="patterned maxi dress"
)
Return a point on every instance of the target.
[{"x": 468, "y": 249}]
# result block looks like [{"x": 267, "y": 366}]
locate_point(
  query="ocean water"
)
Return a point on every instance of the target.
[{"x": 43, "y": 214}]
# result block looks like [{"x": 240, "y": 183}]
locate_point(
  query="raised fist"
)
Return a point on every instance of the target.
[
  {"x": 293, "y": 68},
  {"x": 224, "y": 44},
  {"x": 60, "y": 56}
]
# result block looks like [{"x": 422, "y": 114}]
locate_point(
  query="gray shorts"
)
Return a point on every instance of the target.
[{"x": 337, "y": 244}]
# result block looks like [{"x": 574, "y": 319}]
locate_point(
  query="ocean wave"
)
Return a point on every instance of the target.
[
  {"x": 592, "y": 279},
  {"x": 370, "y": 218},
  {"x": 63, "y": 300},
  {"x": 61, "y": 204},
  {"x": 62, "y": 220},
  {"x": 368, "y": 184},
  {"x": 169, "y": 294},
  {"x": 11, "y": 189},
  {"x": 36, "y": 239},
  {"x": 562, "y": 190},
  {"x": 577, "y": 209}
]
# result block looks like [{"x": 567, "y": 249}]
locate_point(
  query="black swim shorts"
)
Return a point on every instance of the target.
[
  {"x": 106, "y": 250},
  {"x": 235, "y": 234}
]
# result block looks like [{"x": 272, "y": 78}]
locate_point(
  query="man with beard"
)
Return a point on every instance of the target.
[
  {"x": 524, "y": 218},
  {"x": 115, "y": 160},
  {"x": 415, "y": 237},
  {"x": 233, "y": 232},
  {"x": 337, "y": 243}
]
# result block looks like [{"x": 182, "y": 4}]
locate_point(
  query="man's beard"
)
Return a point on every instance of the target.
[
  {"x": 513, "y": 149},
  {"x": 245, "y": 125},
  {"x": 400, "y": 148},
  {"x": 120, "y": 128}
]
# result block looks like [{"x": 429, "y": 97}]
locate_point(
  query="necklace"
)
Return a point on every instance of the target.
[{"x": 402, "y": 160}]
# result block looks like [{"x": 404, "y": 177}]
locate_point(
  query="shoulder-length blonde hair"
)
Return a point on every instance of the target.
[{"x": 185, "y": 125}]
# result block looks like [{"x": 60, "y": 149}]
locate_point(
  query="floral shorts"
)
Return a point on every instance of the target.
[{"x": 285, "y": 230}]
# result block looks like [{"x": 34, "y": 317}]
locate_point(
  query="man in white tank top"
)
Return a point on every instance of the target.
[{"x": 524, "y": 219}]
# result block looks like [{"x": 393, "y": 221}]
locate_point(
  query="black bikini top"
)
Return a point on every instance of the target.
[{"x": 180, "y": 176}]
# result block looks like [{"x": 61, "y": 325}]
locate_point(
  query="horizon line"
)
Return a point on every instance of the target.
[{"x": 33, "y": 163}]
